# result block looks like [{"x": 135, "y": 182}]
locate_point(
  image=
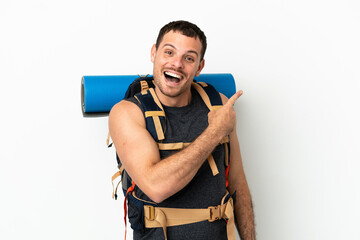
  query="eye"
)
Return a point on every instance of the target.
[
  {"x": 168, "y": 52},
  {"x": 190, "y": 59}
]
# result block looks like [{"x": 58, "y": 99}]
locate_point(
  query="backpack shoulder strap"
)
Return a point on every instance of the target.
[
  {"x": 209, "y": 95},
  {"x": 153, "y": 112},
  {"x": 213, "y": 101},
  {"x": 140, "y": 84}
]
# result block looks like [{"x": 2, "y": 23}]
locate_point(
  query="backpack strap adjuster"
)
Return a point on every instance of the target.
[
  {"x": 150, "y": 212},
  {"x": 144, "y": 85}
]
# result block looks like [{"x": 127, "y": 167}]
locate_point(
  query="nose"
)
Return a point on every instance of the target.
[{"x": 177, "y": 62}]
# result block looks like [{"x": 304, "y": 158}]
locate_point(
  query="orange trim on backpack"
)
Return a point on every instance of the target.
[
  {"x": 130, "y": 189},
  {"x": 227, "y": 173}
]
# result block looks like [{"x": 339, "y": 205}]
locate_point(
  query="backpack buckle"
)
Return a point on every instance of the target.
[
  {"x": 215, "y": 213},
  {"x": 149, "y": 212}
]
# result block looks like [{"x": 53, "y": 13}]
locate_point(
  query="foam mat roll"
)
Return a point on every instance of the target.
[{"x": 100, "y": 93}]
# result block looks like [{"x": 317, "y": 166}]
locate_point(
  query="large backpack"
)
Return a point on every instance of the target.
[{"x": 143, "y": 90}]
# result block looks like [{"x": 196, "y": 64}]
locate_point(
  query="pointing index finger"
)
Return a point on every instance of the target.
[{"x": 234, "y": 97}]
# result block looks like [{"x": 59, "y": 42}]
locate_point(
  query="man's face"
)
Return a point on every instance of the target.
[{"x": 176, "y": 62}]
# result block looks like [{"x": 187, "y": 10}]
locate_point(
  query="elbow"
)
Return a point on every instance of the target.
[
  {"x": 156, "y": 186},
  {"x": 157, "y": 198},
  {"x": 157, "y": 192},
  {"x": 156, "y": 195}
]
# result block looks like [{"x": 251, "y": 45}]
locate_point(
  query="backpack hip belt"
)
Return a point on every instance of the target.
[{"x": 166, "y": 217}]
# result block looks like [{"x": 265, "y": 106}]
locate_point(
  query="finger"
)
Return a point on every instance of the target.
[{"x": 234, "y": 97}]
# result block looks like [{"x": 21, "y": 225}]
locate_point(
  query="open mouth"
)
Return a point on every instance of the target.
[{"x": 172, "y": 77}]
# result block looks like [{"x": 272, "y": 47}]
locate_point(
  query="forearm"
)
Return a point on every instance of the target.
[
  {"x": 173, "y": 173},
  {"x": 244, "y": 214}
]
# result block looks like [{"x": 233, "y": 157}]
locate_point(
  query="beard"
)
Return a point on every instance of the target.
[{"x": 169, "y": 91}]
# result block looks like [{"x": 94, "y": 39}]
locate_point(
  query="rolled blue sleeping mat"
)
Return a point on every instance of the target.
[{"x": 100, "y": 93}]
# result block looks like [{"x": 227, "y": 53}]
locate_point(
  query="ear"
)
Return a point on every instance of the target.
[
  {"x": 153, "y": 53},
  {"x": 201, "y": 66}
]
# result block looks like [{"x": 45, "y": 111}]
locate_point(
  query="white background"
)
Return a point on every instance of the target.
[{"x": 298, "y": 120}]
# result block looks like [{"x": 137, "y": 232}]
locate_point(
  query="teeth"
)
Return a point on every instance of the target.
[{"x": 173, "y": 75}]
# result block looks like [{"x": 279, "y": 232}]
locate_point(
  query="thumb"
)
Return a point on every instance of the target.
[{"x": 234, "y": 97}]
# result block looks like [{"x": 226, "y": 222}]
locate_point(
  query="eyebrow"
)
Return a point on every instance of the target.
[{"x": 190, "y": 51}]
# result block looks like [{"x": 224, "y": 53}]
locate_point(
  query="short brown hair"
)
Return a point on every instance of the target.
[{"x": 186, "y": 28}]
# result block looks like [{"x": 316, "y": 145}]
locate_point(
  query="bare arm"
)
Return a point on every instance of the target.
[
  {"x": 244, "y": 215},
  {"x": 140, "y": 155}
]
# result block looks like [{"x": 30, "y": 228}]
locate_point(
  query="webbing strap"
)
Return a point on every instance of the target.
[
  {"x": 154, "y": 113},
  {"x": 225, "y": 139},
  {"x": 166, "y": 217},
  {"x": 158, "y": 128},
  {"x": 181, "y": 145},
  {"x": 116, "y": 175},
  {"x": 212, "y": 164},
  {"x": 157, "y": 101},
  {"x": 172, "y": 146},
  {"x": 137, "y": 98},
  {"x": 108, "y": 140},
  {"x": 216, "y": 107},
  {"x": 229, "y": 216},
  {"x": 226, "y": 154},
  {"x": 203, "y": 84}
]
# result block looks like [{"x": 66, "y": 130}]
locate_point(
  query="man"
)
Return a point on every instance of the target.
[{"x": 182, "y": 179}]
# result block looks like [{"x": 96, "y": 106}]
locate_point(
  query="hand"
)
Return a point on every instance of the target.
[{"x": 223, "y": 120}]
